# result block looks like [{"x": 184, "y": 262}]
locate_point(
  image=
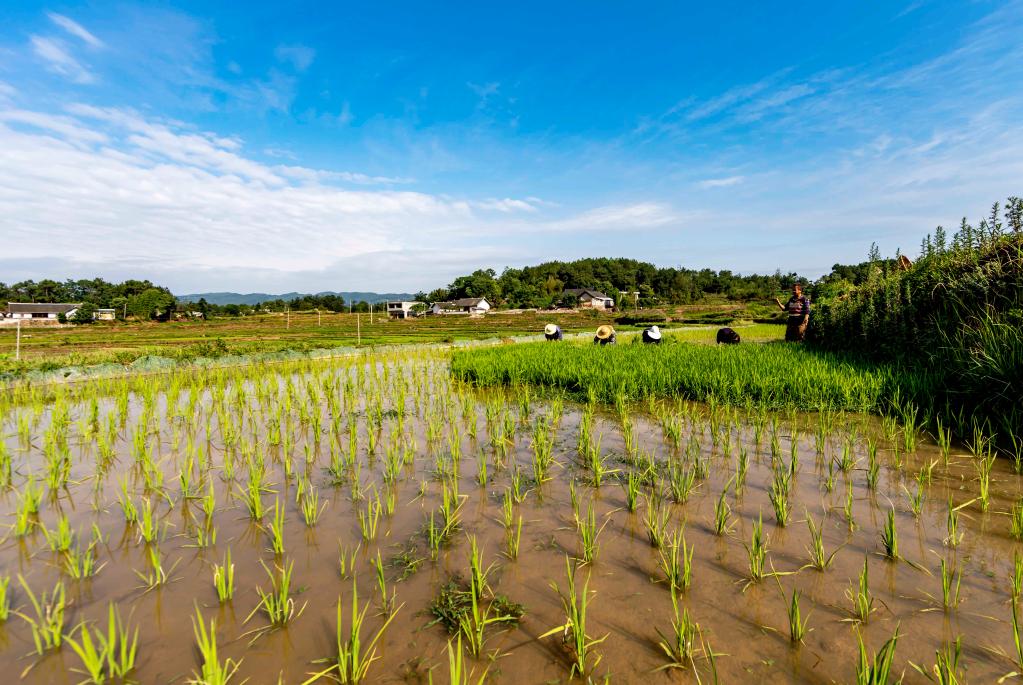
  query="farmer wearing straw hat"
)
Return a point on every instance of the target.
[
  {"x": 605, "y": 336},
  {"x": 798, "y": 308},
  {"x": 553, "y": 333},
  {"x": 652, "y": 335}
]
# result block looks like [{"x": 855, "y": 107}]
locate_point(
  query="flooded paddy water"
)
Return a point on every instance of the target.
[{"x": 351, "y": 460}]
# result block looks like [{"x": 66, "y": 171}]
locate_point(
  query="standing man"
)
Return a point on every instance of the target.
[
  {"x": 798, "y": 308},
  {"x": 553, "y": 333}
]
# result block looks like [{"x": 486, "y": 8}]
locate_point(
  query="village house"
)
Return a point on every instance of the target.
[
  {"x": 590, "y": 299},
  {"x": 473, "y": 306},
  {"x": 401, "y": 310},
  {"x": 41, "y": 310}
]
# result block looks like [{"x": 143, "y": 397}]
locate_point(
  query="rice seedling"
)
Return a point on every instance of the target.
[
  {"x": 513, "y": 539},
  {"x": 862, "y": 600},
  {"x": 779, "y": 496},
  {"x": 1016, "y": 576},
  {"x": 369, "y": 519},
  {"x": 275, "y": 529},
  {"x": 889, "y": 536},
  {"x": 916, "y": 499},
  {"x": 756, "y": 551},
  {"x": 677, "y": 562},
  {"x": 681, "y": 482},
  {"x": 680, "y": 646},
  {"x": 149, "y": 527},
  {"x": 352, "y": 660},
  {"x": 311, "y": 507},
  {"x": 797, "y": 624},
  {"x": 252, "y": 497},
  {"x": 211, "y": 670},
  {"x": 631, "y": 487},
  {"x": 951, "y": 577},
  {"x": 106, "y": 654},
  {"x": 722, "y": 513},
  {"x": 277, "y": 603},
  {"x": 156, "y": 575},
  {"x": 47, "y": 625},
  {"x": 876, "y": 669},
  {"x": 847, "y": 508},
  {"x": 223, "y": 578},
  {"x": 346, "y": 559},
  {"x": 819, "y": 559},
  {"x": 656, "y": 521},
  {"x": 5, "y": 598},
  {"x": 945, "y": 670},
  {"x": 386, "y": 603},
  {"x": 588, "y": 534},
  {"x": 576, "y": 607},
  {"x": 61, "y": 538}
]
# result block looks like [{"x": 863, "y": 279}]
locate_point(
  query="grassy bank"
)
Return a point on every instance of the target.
[{"x": 773, "y": 375}]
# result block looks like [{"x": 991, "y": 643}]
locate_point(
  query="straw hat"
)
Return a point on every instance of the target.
[
  {"x": 654, "y": 333},
  {"x": 605, "y": 332},
  {"x": 550, "y": 329}
]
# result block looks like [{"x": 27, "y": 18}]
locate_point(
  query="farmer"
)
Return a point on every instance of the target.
[
  {"x": 727, "y": 336},
  {"x": 798, "y": 308},
  {"x": 652, "y": 336},
  {"x": 605, "y": 336},
  {"x": 553, "y": 333}
]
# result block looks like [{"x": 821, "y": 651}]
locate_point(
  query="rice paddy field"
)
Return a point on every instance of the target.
[{"x": 518, "y": 514}]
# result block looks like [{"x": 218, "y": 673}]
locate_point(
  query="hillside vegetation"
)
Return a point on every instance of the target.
[{"x": 956, "y": 313}]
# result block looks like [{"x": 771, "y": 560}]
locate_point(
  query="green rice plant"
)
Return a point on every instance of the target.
[
  {"x": 481, "y": 468},
  {"x": 984, "y": 481},
  {"x": 946, "y": 665},
  {"x": 47, "y": 625},
  {"x": 512, "y": 540},
  {"x": 346, "y": 559},
  {"x": 311, "y": 507},
  {"x": 252, "y": 497},
  {"x": 876, "y": 669},
  {"x": 818, "y": 558},
  {"x": 478, "y": 574},
  {"x": 1016, "y": 520},
  {"x": 5, "y": 598},
  {"x": 369, "y": 519},
  {"x": 1016, "y": 452},
  {"x": 350, "y": 665},
  {"x": 275, "y": 529},
  {"x": 680, "y": 646},
  {"x": 156, "y": 574},
  {"x": 950, "y": 579},
  {"x": 677, "y": 562},
  {"x": 477, "y": 618},
  {"x": 846, "y": 462},
  {"x": 61, "y": 538},
  {"x": 890, "y": 536},
  {"x": 1016, "y": 576},
  {"x": 797, "y": 624},
  {"x": 107, "y": 654},
  {"x": 741, "y": 467},
  {"x": 223, "y": 578},
  {"x": 588, "y": 534},
  {"x": 631, "y": 487},
  {"x": 952, "y": 523},
  {"x": 1016, "y": 638},
  {"x": 149, "y": 527},
  {"x": 656, "y": 521},
  {"x": 458, "y": 672},
  {"x": 829, "y": 480},
  {"x": 862, "y": 600},
  {"x": 681, "y": 481},
  {"x": 722, "y": 513},
  {"x": 576, "y": 606},
  {"x": 81, "y": 563},
  {"x": 277, "y": 603},
  {"x": 779, "y": 496},
  {"x": 211, "y": 670},
  {"x": 756, "y": 551},
  {"x": 916, "y": 499},
  {"x": 434, "y": 537},
  {"x": 847, "y": 508},
  {"x": 386, "y": 603}
]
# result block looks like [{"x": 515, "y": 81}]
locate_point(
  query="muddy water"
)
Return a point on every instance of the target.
[{"x": 745, "y": 624}]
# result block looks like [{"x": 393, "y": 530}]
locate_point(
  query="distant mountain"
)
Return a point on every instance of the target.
[{"x": 253, "y": 298}]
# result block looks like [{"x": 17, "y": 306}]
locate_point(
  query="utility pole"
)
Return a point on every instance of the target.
[
  {"x": 17, "y": 345},
  {"x": 288, "y": 310},
  {"x": 318, "y": 318}
]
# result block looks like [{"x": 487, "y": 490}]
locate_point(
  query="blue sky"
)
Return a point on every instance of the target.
[{"x": 392, "y": 146}]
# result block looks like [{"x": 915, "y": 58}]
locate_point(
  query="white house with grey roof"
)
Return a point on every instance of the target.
[{"x": 41, "y": 310}]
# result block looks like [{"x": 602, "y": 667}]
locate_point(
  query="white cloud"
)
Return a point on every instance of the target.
[
  {"x": 641, "y": 215},
  {"x": 298, "y": 56},
  {"x": 75, "y": 29},
  {"x": 721, "y": 182},
  {"x": 7, "y": 91},
  {"x": 506, "y": 205},
  {"x": 59, "y": 60}
]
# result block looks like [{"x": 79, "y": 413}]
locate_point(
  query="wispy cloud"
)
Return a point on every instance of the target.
[
  {"x": 75, "y": 29},
  {"x": 721, "y": 182},
  {"x": 298, "y": 56},
  {"x": 59, "y": 59}
]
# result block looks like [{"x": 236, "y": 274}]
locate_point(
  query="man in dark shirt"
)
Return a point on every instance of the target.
[{"x": 798, "y": 308}]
